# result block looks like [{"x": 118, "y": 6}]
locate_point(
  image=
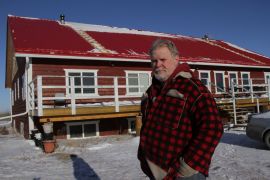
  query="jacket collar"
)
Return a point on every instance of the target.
[{"x": 182, "y": 70}]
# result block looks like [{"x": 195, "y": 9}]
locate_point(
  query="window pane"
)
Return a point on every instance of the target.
[
  {"x": 88, "y": 81},
  {"x": 204, "y": 75},
  {"x": 219, "y": 81},
  {"x": 88, "y": 91},
  {"x": 74, "y": 74},
  {"x": 75, "y": 131},
  {"x": 232, "y": 77},
  {"x": 204, "y": 81},
  {"x": 144, "y": 81},
  {"x": 89, "y": 130},
  {"x": 245, "y": 76},
  {"x": 133, "y": 81},
  {"x": 245, "y": 79},
  {"x": 77, "y": 82},
  {"x": 204, "y": 78},
  {"x": 88, "y": 74}
]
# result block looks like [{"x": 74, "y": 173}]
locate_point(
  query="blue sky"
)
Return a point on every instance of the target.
[{"x": 241, "y": 22}]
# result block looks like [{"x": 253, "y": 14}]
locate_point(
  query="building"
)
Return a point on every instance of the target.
[{"x": 88, "y": 79}]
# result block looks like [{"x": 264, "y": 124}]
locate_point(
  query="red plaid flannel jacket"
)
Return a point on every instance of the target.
[{"x": 180, "y": 119}]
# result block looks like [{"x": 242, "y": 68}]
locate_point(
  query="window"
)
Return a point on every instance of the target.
[
  {"x": 131, "y": 125},
  {"x": 233, "y": 78},
  {"x": 80, "y": 130},
  {"x": 266, "y": 77},
  {"x": 204, "y": 76},
  {"x": 219, "y": 81},
  {"x": 84, "y": 80},
  {"x": 245, "y": 81},
  {"x": 137, "y": 82}
]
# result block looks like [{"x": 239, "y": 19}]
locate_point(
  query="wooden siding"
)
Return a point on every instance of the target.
[
  {"x": 57, "y": 67},
  {"x": 20, "y": 104}
]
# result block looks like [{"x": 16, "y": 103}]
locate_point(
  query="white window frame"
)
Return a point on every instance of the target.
[
  {"x": 229, "y": 79},
  {"x": 129, "y": 125},
  {"x": 68, "y": 124},
  {"x": 242, "y": 82},
  {"x": 67, "y": 71},
  {"x": 136, "y": 72},
  {"x": 216, "y": 89},
  {"x": 209, "y": 78},
  {"x": 265, "y": 76}
]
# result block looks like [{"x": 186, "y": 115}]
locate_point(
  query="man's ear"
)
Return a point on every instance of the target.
[{"x": 177, "y": 58}]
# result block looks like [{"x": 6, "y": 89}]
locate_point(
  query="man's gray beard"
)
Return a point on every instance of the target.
[{"x": 159, "y": 78}]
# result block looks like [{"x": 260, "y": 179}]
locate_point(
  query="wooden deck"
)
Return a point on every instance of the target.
[
  {"x": 88, "y": 113},
  {"x": 246, "y": 102}
]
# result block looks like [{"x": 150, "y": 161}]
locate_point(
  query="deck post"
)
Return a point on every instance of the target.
[
  {"x": 138, "y": 124},
  {"x": 234, "y": 102},
  {"x": 11, "y": 103},
  {"x": 39, "y": 95},
  {"x": 116, "y": 97},
  {"x": 268, "y": 85},
  {"x": 33, "y": 95},
  {"x": 72, "y": 96},
  {"x": 251, "y": 90},
  {"x": 258, "y": 105}
]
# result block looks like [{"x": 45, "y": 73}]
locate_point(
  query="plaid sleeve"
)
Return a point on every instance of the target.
[{"x": 207, "y": 132}]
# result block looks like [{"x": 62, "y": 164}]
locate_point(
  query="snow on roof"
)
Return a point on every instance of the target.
[
  {"x": 240, "y": 48},
  {"x": 109, "y": 29}
]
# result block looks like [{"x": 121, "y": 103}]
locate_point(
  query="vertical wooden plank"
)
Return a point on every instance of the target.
[
  {"x": 251, "y": 90},
  {"x": 268, "y": 85},
  {"x": 72, "y": 96},
  {"x": 234, "y": 101},
  {"x": 39, "y": 95},
  {"x": 116, "y": 97}
]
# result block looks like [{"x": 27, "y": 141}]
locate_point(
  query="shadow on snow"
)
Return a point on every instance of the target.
[
  {"x": 82, "y": 170},
  {"x": 242, "y": 140}
]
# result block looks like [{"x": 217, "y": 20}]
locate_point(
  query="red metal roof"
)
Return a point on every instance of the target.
[
  {"x": 45, "y": 37},
  {"x": 39, "y": 36}
]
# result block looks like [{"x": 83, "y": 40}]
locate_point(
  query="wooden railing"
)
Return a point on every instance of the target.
[
  {"x": 253, "y": 89},
  {"x": 42, "y": 91}
]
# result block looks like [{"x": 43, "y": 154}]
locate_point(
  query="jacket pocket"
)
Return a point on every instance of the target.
[{"x": 171, "y": 111}]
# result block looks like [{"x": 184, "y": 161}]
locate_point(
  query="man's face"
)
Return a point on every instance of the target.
[{"x": 163, "y": 63}]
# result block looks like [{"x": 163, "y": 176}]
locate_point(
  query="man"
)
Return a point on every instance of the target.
[{"x": 181, "y": 125}]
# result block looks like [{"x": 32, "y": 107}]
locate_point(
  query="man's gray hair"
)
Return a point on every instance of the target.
[{"x": 163, "y": 43}]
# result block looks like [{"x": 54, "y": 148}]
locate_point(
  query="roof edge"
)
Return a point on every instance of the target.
[{"x": 130, "y": 60}]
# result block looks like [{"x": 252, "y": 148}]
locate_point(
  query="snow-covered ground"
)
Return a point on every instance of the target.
[{"x": 236, "y": 158}]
